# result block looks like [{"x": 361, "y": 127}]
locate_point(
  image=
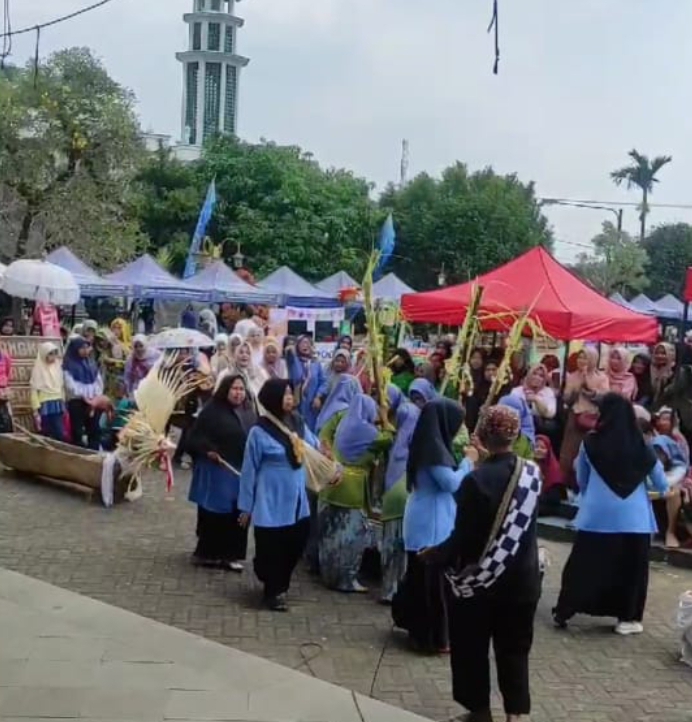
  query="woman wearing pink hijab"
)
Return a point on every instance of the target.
[
  {"x": 620, "y": 379},
  {"x": 583, "y": 386}
]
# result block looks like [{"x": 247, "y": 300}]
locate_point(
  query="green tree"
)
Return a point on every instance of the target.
[
  {"x": 670, "y": 253},
  {"x": 641, "y": 173},
  {"x": 286, "y": 210},
  {"x": 618, "y": 263},
  {"x": 69, "y": 143},
  {"x": 466, "y": 223},
  {"x": 166, "y": 200}
]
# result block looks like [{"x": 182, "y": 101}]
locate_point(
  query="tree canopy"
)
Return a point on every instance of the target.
[
  {"x": 69, "y": 141},
  {"x": 466, "y": 223},
  {"x": 618, "y": 263},
  {"x": 669, "y": 248}
]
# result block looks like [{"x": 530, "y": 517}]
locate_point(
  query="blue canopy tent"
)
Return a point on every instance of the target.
[
  {"x": 671, "y": 305},
  {"x": 225, "y": 286},
  {"x": 643, "y": 304},
  {"x": 622, "y": 301},
  {"x": 390, "y": 288},
  {"x": 89, "y": 282},
  {"x": 296, "y": 291},
  {"x": 336, "y": 283},
  {"x": 145, "y": 280}
]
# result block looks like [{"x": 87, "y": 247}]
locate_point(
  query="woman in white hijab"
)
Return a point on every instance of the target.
[
  {"x": 255, "y": 337},
  {"x": 272, "y": 363},
  {"x": 234, "y": 340},
  {"x": 48, "y": 392},
  {"x": 253, "y": 375},
  {"x": 208, "y": 323},
  {"x": 221, "y": 359}
]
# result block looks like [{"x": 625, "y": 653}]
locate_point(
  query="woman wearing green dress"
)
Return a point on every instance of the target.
[
  {"x": 343, "y": 528},
  {"x": 403, "y": 369}
]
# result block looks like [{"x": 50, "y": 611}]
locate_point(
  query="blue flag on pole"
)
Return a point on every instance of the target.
[
  {"x": 200, "y": 230},
  {"x": 386, "y": 245}
]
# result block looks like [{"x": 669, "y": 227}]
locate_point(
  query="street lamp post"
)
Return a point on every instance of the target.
[{"x": 617, "y": 212}]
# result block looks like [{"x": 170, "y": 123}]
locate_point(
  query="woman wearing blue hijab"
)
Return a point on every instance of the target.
[
  {"x": 394, "y": 502},
  {"x": 307, "y": 378},
  {"x": 344, "y": 390},
  {"x": 421, "y": 391},
  {"x": 343, "y": 531},
  {"x": 83, "y": 384}
]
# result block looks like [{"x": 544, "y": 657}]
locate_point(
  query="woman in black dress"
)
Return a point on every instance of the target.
[
  {"x": 494, "y": 576},
  {"x": 217, "y": 444}
]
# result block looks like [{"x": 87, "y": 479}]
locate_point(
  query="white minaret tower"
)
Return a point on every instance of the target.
[{"x": 211, "y": 71}]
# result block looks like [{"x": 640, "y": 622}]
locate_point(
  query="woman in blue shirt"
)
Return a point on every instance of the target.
[
  {"x": 433, "y": 476},
  {"x": 607, "y": 573},
  {"x": 272, "y": 490},
  {"x": 308, "y": 379}
]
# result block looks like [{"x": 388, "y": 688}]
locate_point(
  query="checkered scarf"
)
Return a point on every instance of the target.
[{"x": 469, "y": 581}]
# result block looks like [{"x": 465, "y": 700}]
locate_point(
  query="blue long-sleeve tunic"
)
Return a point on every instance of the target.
[
  {"x": 271, "y": 490},
  {"x": 310, "y": 382},
  {"x": 431, "y": 508},
  {"x": 602, "y": 510}
]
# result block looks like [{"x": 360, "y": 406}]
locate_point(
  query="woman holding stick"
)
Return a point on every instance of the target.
[{"x": 217, "y": 446}]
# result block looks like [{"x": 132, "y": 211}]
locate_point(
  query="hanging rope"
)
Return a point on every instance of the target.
[
  {"x": 495, "y": 25},
  {"x": 8, "y": 33}
]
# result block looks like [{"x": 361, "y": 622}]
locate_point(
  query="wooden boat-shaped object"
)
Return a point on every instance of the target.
[{"x": 38, "y": 456}]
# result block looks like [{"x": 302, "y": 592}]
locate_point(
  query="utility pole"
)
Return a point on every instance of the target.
[{"x": 403, "y": 170}]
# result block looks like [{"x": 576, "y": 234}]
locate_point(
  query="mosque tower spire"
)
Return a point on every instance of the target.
[{"x": 211, "y": 71}]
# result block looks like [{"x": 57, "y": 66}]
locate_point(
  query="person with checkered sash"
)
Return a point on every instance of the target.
[{"x": 493, "y": 572}]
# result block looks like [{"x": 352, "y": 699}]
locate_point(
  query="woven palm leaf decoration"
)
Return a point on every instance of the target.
[{"x": 143, "y": 441}]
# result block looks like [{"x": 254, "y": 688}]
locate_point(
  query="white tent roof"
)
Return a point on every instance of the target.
[
  {"x": 390, "y": 288},
  {"x": 337, "y": 282}
]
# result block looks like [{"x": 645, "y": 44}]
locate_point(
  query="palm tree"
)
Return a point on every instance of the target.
[{"x": 641, "y": 173}]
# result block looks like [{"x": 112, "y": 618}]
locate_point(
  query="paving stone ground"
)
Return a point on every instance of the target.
[{"x": 136, "y": 556}]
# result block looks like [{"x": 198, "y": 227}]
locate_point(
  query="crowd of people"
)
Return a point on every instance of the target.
[{"x": 445, "y": 482}]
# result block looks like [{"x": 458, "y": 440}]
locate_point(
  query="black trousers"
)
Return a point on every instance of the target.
[
  {"x": 420, "y": 605},
  {"x": 83, "y": 421},
  {"x": 220, "y": 537},
  {"x": 277, "y": 552},
  {"x": 473, "y": 623}
]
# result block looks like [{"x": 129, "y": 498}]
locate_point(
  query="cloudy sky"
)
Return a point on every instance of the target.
[{"x": 580, "y": 84}]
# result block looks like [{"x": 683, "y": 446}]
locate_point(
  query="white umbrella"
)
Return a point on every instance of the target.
[
  {"x": 181, "y": 338},
  {"x": 40, "y": 281}
]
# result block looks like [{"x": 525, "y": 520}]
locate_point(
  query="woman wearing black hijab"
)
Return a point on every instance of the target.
[
  {"x": 607, "y": 573},
  {"x": 433, "y": 476},
  {"x": 217, "y": 439},
  {"x": 272, "y": 490}
]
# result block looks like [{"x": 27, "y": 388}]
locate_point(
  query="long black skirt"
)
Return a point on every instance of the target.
[
  {"x": 219, "y": 537},
  {"x": 420, "y": 605},
  {"x": 277, "y": 552},
  {"x": 606, "y": 575}
]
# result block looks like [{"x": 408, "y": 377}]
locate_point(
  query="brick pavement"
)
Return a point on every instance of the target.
[{"x": 137, "y": 557}]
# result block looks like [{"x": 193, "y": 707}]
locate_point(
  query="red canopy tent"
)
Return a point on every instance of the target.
[{"x": 565, "y": 306}]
